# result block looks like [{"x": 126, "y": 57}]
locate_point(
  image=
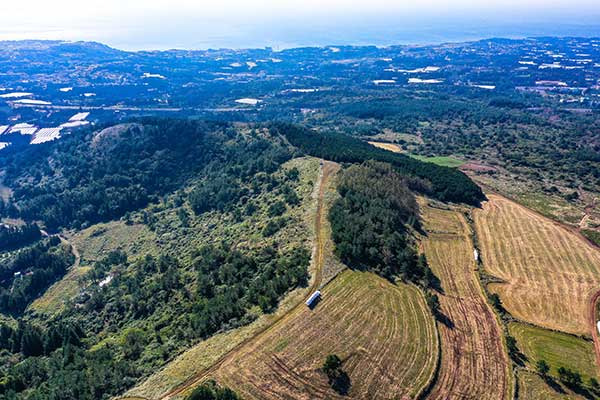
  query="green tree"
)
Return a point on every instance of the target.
[
  {"x": 433, "y": 302},
  {"x": 542, "y": 368},
  {"x": 133, "y": 343},
  {"x": 332, "y": 365}
]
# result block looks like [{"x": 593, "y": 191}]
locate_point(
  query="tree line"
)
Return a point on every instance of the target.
[{"x": 444, "y": 183}]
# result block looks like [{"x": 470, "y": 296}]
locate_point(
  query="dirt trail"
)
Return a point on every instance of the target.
[
  {"x": 74, "y": 250},
  {"x": 329, "y": 170},
  {"x": 474, "y": 364}
]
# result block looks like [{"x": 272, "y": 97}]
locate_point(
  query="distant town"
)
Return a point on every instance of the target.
[{"x": 45, "y": 82}]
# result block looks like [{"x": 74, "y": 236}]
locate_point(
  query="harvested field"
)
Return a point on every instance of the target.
[
  {"x": 387, "y": 146},
  {"x": 474, "y": 364},
  {"x": 384, "y": 334},
  {"x": 549, "y": 272},
  {"x": 556, "y": 348}
]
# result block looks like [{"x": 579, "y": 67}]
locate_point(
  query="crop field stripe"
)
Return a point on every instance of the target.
[
  {"x": 550, "y": 273},
  {"x": 473, "y": 364}
]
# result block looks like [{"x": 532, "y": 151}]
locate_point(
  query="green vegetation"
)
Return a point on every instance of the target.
[
  {"x": 370, "y": 222},
  {"x": 212, "y": 391},
  {"x": 542, "y": 367},
  {"x": 100, "y": 176},
  {"x": 174, "y": 275},
  {"x": 557, "y": 350},
  {"x": 443, "y": 183},
  {"x": 338, "y": 378},
  {"x": 15, "y": 237},
  {"x": 30, "y": 272},
  {"x": 569, "y": 377},
  {"x": 228, "y": 286},
  {"x": 443, "y": 161},
  {"x": 557, "y": 147},
  {"x": 593, "y": 236}
]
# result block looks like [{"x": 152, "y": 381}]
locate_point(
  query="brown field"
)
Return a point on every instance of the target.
[
  {"x": 383, "y": 332},
  {"x": 474, "y": 364},
  {"x": 387, "y": 146},
  {"x": 549, "y": 272}
]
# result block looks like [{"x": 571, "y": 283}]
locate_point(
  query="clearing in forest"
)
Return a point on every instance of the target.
[
  {"x": 548, "y": 273},
  {"x": 474, "y": 364},
  {"x": 383, "y": 332},
  {"x": 444, "y": 161}
]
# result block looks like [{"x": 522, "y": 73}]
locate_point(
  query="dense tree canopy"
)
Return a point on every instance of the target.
[
  {"x": 31, "y": 271},
  {"x": 447, "y": 184},
  {"x": 15, "y": 237},
  {"x": 101, "y": 175},
  {"x": 371, "y": 219}
]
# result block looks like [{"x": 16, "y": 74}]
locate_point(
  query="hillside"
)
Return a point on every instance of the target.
[
  {"x": 193, "y": 268},
  {"x": 144, "y": 260},
  {"x": 546, "y": 273}
]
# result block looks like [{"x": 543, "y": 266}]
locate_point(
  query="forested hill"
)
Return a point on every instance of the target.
[
  {"x": 102, "y": 175},
  {"x": 447, "y": 184}
]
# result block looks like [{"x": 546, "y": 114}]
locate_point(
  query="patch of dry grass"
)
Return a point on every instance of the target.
[{"x": 384, "y": 334}]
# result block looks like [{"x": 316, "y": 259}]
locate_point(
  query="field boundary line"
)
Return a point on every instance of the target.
[{"x": 474, "y": 239}]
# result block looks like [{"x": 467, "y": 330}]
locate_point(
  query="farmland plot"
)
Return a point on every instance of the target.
[
  {"x": 556, "y": 348},
  {"x": 383, "y": 333},
  {"x": 474, "y": 364},
  {"x": 549, "y": 273}
]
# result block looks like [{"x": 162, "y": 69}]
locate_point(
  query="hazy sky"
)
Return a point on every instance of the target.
[{"x": 154, "y": 24}]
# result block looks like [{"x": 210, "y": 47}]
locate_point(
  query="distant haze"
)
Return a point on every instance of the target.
[{"x": 137, "y": 24}]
